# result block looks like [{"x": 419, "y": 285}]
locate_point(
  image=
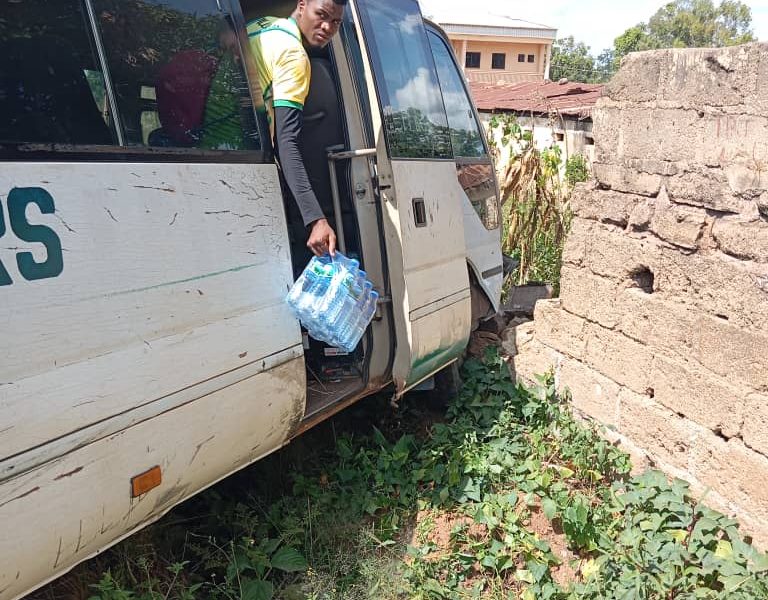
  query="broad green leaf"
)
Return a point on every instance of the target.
[
  {"x": 724, "y": 549},
  {"x": 257, "y": 589},
  {"x": 525, "y": 576},
  {"x": 289, "y": 560},
  {"x": 549, "y": 507},
  {"x": 590, "y": 568},
  {"x": 678, "y": 534}
]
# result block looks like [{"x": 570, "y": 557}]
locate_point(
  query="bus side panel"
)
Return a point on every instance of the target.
[
  {"x": 431, "y": 297},
  {"x": 72, "y": 508},
  {"x": 153, "y": 279},
  {"x": 484, "y": 254}
]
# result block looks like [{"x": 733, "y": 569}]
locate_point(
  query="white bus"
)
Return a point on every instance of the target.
[{"x": 146, "y": 251}]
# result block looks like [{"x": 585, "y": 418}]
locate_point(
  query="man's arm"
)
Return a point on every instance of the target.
[{"x": 288, "y": 122}]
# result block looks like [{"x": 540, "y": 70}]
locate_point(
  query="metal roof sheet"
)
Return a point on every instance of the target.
[{"x": 540, "y": 97}]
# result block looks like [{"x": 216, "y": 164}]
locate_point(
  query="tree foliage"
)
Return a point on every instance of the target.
[
  {"x": 677, "y": 24},
  {"x": 572, "y": 60},
  {"x": 689, "y": 24}
]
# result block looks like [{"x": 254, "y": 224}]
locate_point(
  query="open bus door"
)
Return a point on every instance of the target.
[{"x": 422, "y": 200}]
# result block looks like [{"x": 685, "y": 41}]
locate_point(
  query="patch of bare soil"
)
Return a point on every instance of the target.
[{"x": 552, "y": 533}]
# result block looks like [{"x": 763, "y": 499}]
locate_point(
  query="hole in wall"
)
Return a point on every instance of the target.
[
  {"x": 643, "y": 278},
  {"x": 723, "y": 317},
  {"x": 650, "y": 392}
]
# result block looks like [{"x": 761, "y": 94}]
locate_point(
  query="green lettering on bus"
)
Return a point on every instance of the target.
[
  {"x": 18, "y": 201},
  {"x": 5, "y": 278}
]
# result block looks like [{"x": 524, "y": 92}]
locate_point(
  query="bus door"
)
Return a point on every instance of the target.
[{"x": 422, "y": 200}]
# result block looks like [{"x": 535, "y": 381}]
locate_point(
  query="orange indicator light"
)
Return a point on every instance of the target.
[{"x": 145, "y": 482}]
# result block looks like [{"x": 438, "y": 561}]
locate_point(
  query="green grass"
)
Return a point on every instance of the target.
[{"x": 504, "y": 496}]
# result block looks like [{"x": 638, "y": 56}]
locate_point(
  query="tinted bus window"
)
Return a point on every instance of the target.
[
  {"x": 51, "y": 85},
  {"x": 414, "y": 116},
  {"x": 177, "y": 72},
  {"x": 466, "y": 138}
]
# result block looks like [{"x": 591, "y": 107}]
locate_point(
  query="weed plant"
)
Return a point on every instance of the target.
[{"x": 421, "y": 510}]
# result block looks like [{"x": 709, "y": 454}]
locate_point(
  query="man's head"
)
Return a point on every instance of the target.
[{"x": 319, "y": 20}]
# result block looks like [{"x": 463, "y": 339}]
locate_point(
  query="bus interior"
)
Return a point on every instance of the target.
[{"x": 332, "y": 376}]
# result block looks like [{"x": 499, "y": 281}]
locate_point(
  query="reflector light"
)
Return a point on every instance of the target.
[{"x": 145, "y": 482}]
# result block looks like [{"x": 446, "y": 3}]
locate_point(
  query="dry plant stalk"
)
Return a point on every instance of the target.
[{"x": 539, "y": 209}]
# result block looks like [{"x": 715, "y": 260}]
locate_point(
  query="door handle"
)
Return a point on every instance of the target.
[{"x": 419, "y": 212}]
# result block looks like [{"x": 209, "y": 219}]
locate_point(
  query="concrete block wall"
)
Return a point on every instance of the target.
[{"x": 661, "y": 330}]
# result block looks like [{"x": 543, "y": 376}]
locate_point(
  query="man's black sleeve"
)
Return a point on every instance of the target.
[{"x": 288, "y": 122}]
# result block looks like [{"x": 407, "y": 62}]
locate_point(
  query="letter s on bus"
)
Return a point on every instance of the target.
[{"x": 18, "y": 201}]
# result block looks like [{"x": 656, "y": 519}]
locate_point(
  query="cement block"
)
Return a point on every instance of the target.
[
  {"x": 734, "y": 471},
  {"x": 713, "y": 283},
  {"x": 533, "y": 359},
  {"x": 625, "y": 180},
  {"x": 688, "y": 390},
  {"x": 591, "y": 393},
  {"x": 742, "y": 239},
  {"x": 587, "y": 295},
  {"x": 690, "y": 77},
  {"x": 618, "y": 255},
  {"x": 575, "y": 249},
  {"x": 733, "y": 189},
  {"x": 559, "y": 329},
  {"x": 734, "y": 353},
  {"x": 709, "y": 77},
  {"x": 606, "y": 206},
  {"x": 619, "y": 358},
  {"x": 682, "y": 226},
  {"x": 674, "y": 135},
  {"x": 639, "y": 77},
  {"x": 710, "y": 188},
  {"x": 662, "y": 433},
  {"x": 755, "y": 430}
]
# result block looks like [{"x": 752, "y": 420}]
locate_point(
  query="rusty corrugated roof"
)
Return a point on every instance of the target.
[{"x": 539, "y": 97}]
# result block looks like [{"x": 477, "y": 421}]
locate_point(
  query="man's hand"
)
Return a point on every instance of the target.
[{"x": 322, "y": 238}]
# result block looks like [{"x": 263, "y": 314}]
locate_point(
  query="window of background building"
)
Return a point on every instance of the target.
[
  {"x": 472, "y": 61},
  {"x": 531, "y": 58},
  {"x": 521, "y": 58},
  {"x": 499, "y": 60}
]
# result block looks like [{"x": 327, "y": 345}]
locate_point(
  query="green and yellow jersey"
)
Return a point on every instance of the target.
[{"x": 282, "y": 63}]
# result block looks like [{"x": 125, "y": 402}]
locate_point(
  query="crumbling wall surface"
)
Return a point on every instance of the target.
[{"x": 661, "y": 331}]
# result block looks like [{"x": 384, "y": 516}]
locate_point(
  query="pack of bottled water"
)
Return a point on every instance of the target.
[{"x": 334, "y": 300}]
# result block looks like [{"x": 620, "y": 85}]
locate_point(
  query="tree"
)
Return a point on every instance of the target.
[
  {"x": 572, "y": 60},
  {"x": 687, "y": 24}
]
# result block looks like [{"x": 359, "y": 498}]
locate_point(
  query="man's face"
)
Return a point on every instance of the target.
[{"x": 319, "y": 20}]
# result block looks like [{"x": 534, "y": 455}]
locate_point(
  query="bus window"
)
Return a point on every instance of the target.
[
  {"x": 414, "y": 115},
  {"x": 475, "y": 169},
  {"x": 466, "y": 138},
  {"x": 51, "y": 85},
  {"x": 178, "y": 75}
]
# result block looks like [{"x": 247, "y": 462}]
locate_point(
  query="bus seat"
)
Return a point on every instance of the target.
[
  {"x": 44, "y": 94},
  {"x": 322, "y": 128}
]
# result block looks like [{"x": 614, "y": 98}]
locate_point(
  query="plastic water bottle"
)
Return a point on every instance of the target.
[
  {"x": 347, "y": 321},
  {"x": 311, "y": 285},
  {"x": 334, "y": 300}
]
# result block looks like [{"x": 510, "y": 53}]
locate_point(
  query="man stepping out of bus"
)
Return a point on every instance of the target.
[{"x": 284, "y": 74}]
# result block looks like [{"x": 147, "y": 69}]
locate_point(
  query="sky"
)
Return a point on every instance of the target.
[{"x": 594, "y": 22}]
